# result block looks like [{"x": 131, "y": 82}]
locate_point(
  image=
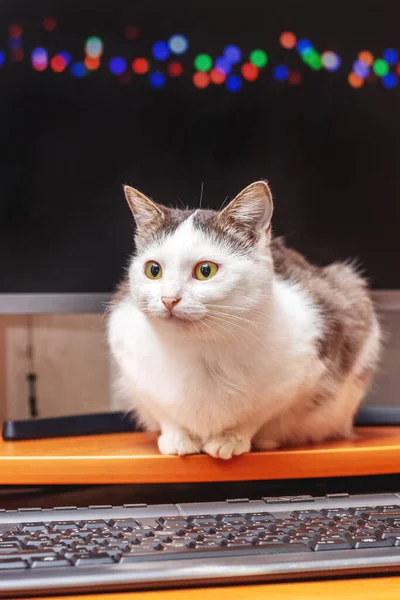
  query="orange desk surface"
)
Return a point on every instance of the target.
[
  {"x": 134, "y": 458},
  {"x": 387, "y": 588}
]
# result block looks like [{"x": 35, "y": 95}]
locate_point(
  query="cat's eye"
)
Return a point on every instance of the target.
[
  {"x": 153, "y": 270},
  {"x": 205, "y": 270}
]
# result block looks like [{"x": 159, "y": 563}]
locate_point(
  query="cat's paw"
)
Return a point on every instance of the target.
[
  {"x": 179, "y": 443},
  {"x": 227, "y": 445}
]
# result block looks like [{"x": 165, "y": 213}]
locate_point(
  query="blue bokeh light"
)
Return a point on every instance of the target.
[
  {"x": 178, "y": 44},
  {"x": 157, "y": 79},
  {"x": 78, "y": 69},
  {"x": 361, "y": 69},
  {"x": 233, "y": 83},
  {"x": 391, "y": 56},
  {"x": 281, "y": 73},
  {"x": 117, "y": 65},
  {"x": 39, "y": 55},
  {"x": 15, "y": 43},
  {"x": 160, "y": 50},
  {"x": 303, "y": 46},
  {"x": 232, "y": 54},
  {"x": 66, "y": 56},
  {"x": 2, "y": 58},
  {"x": 223, "y": 65},
  {"x": 389, "y": 80}
]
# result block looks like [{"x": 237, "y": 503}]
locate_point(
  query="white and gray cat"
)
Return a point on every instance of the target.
[{"x": 227, "y": 340}]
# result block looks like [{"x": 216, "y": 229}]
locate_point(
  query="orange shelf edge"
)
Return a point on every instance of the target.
[{"x": 134, "y": 458}]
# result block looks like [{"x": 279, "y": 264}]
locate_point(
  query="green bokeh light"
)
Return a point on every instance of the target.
[
  {"x": 380, "y": 67},
  {"x": 203, "y": 62},
  {"x": 259, "y": 58},
  {"x": 312, "y": 58}
]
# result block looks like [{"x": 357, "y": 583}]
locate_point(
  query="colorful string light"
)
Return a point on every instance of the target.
[
  {"x": 15, "y": 31},
  {"x": 366, "y": 57},
  {"x": 330, "y": 60},
  {"x": 2, "y": 58},
  {"x": 294, "y": 78},
  {"x": 203, "y": 62},
  {"x": 140, "y": 66},
  {"x": 233, "y": 83},
  {"x": 178, "y": 44},
  {"x": 380, "y": 67},
  {"x": 287, "y": 40},
  {"x": 117, "y": 65},
  {"x": 92, "y": 64},
  {"x": 249, "y": 71},
  {"x": 355, "y": 81},
  {"x": 201, "y": 79},
  {"x": 157, "y": 80},
  {"x": 39, "y": 59},
  {"x": 49, "y": 23},
  {"x": 160, "y": 51},
  {"x": 58, "y": 63},
  {"x": 175, "y": 69},
  {"x": 78, "y": 69},
  {"x": 391, "y": 56},
  {"x": 303, "y": 46},
  {"x": 131, "y": 32},
  {"x": 389, "y": 80},
  {"x": 232, "y": 54},
  {"x": 94, "y": 47},
  {"x": 259, "y": 58},
  {"x": 217, "y": 77},
  {"x": 281, "y": 73},
  {"x": 361, "y": 69},
  {"x": 67, "y": 57},
  {"x": 223, "y": 65}
]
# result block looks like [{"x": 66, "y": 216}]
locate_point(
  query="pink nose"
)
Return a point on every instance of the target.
[{"x": 170, "y": 301}]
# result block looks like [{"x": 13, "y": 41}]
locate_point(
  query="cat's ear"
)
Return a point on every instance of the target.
[
  {"x": 148, "y": 215},
  {"x": 251, "y": 210}
]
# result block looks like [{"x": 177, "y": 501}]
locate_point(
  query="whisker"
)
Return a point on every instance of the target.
[{"x": 201, "y": 193}]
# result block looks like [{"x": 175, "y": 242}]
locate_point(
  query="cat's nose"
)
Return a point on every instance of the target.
[{"x": 170, "y": 301}]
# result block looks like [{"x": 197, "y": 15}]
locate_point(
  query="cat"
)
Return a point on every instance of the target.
[{"x": 227, "y": 340}]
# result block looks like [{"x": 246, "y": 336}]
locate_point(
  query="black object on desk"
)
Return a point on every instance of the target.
[{"x": 70, "y": 426}]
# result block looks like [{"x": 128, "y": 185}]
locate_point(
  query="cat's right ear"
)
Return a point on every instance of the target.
[{"x": 148, "y": 215}]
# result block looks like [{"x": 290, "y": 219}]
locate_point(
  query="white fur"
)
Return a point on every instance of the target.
[{"x": 215, "y": 382}]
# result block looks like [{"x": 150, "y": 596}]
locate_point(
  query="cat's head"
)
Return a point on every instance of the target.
[{"x": 202, "y": 266}]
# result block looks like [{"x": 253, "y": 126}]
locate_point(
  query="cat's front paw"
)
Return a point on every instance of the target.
[
  {"x": 179, "y": 443},
  {"x": 227, "y": 445}
]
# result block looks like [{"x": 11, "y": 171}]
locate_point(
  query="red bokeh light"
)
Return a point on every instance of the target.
[
  {"x": 58, "y": 64},
  {"x": 92, "y": 63},
  {"x": 49, "y": 23},
  {"x": 175, "y": 69},
  {"x": 216, "y": 76},
  {"x": 140, "y": 66},
  {"x": 40, "y": 66},
  {"x": 249, "y": 71},
  {"x": 17, "y": 55},
  {"x": 294, "y": 78},
  {"x": 201, "y": 79},
  {"x": 131, "y": 32},
  {"x": 288, "y": 40},
  {"x": 15, "y": 31}
]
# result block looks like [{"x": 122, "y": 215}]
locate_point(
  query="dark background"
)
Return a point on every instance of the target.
[{"x": 330, "y": 152}]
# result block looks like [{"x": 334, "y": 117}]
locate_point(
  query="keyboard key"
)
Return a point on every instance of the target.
[
  {"x": 368, "y": 542},
  {"x": 388, "y": 508},
  {"x": 92, "y": 558},
  {"x": 32, "y": 526},
  {"x": 9, "y": 548},
  {"x": 124, "y": 523},
  {"x": 303, "y": 514},
  {"x": 50, "y": 561},
  {"x": 92, "y": 524},
  {"x": 12, "y": 563},
  {"x": 335, "y": 544},
  {"x": 389, "y": 532},
  {"x": 63, "y": 525},
  {"x": 260, "y": 517}
]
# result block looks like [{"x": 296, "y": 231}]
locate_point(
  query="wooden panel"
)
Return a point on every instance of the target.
[
  {"x": 385, "y": 588},
  {"x": 71, "y": 360},
  {"x": 133, "y": 458},
  {"x": 14, "y": 366}
]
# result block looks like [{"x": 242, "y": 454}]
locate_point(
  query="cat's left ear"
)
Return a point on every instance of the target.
[{"x": 251, "y": 210}]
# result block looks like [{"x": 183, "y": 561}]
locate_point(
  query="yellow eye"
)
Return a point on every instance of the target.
[
  {"x": 205, "y": 270},
  {"x": 153, "y": 270}
]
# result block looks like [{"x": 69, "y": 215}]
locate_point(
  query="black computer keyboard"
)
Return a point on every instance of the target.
[{"x": 97, "y": 548}]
